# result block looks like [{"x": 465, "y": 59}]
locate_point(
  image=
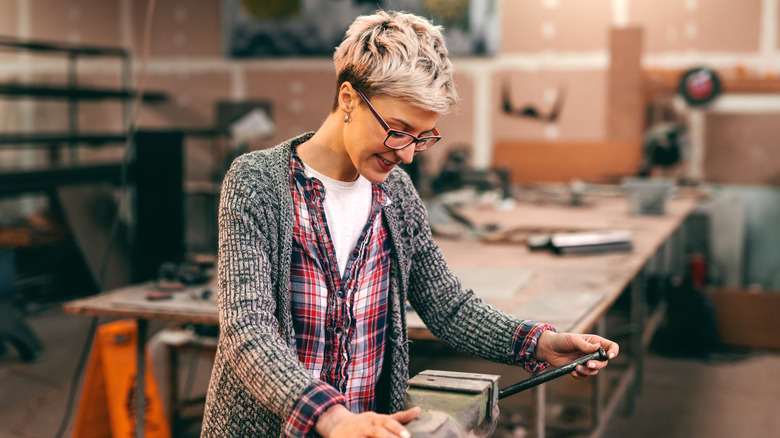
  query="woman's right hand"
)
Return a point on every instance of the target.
[{"x": 339, "y": 422}]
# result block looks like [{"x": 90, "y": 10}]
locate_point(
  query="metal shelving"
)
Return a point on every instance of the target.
[
  {"x": 57, "y": 47},
  {"x": 81, "y": 93},
  {"x": 73, "y": 93},
  {"x": 45, "y": 140},
  {"x": 21, "y": 181}
]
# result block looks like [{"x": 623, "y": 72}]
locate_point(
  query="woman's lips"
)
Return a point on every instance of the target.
[{"x": 384, "y": 164}]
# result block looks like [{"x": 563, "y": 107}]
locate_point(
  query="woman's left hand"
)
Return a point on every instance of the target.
[{"x": 561, "y": 348}]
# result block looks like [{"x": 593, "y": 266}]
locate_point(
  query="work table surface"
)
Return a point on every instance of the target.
[{"x": 571, "y": 292}]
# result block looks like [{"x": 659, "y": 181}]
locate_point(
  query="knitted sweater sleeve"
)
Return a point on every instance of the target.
[
  {"x": 250, "y": 336},
  {"x": 456, "y": 315}
]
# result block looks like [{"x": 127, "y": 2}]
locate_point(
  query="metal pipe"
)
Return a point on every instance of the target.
[{"x": 546, "y": 376}]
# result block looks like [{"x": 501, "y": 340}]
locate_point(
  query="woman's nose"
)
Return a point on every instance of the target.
[{"x": 406, "y": 154}]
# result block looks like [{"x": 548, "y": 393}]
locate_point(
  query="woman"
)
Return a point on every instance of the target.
[{"x": 323, "y": 239}]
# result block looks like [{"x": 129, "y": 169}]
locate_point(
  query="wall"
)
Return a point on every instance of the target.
[{"x": 544, "y": 45}]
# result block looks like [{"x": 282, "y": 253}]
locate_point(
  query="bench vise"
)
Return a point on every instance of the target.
[{"x": 456, "y": 404}]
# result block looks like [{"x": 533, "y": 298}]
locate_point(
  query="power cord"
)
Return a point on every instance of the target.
[{"x": 127, "y": 154}]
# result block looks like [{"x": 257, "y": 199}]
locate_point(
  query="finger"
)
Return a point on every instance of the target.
[
  {"x": 580, "y": 376},
  {"x": 583, "y": 371},
  {"x": 389, "y": 427},
  {"x": 613, "y": 350},
  {"x": 376, "y": 431},
  {"x": 596, "y": 364},
  {"x": 406, "y": 416},
  {"x": 586, "y": 343}
]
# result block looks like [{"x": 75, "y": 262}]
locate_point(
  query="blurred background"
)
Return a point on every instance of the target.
[{"x": 119, "y": 118}]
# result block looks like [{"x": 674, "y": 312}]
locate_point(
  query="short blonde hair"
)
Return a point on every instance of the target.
[{"x": 397, "y": 55}]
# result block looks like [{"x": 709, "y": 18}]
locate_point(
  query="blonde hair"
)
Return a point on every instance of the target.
[{"x": 397, "y": 55}]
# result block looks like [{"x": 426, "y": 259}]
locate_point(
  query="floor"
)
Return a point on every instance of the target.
[{"x": 726, "y": 395}]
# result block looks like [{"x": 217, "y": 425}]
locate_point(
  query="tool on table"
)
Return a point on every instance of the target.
[
  {"x": 582, "y": 242},
  {"x": 456, "y": 404}
]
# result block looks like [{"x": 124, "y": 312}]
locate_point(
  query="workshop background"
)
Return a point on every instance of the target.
[{"x": 571, "y": 94}]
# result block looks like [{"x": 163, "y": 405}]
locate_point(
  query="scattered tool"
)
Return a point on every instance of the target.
[{"x": 456, "y": 404}]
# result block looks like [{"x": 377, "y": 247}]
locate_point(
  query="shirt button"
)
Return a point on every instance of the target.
[
  {"x": 338, "y": 330},
  {"x": 341, "y": 294}
]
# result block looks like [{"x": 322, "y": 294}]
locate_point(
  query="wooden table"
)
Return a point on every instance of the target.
[
  {"x": 187, "y": 305},
  {"x": 546, "y": 276},
  {"x": 571, "y": 292}
]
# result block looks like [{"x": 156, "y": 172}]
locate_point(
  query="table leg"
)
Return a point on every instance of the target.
[
  {"x": 637, "y": 321},
  {"x": 140, "y": 378},
  {"x": 540, "y": 410},
  {"x": 597, "y": 402},
  {"x": 173, "y": 387}
]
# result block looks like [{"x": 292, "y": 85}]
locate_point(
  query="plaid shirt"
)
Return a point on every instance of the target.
[
  {"x": 341, "y": 336},
  {"x": 340, "y": 322}
]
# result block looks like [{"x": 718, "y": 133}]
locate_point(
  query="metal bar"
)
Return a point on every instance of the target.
[
  {"x": 50, "y": 46},
  {"x": 173, "y": 388},
  {"x": 46, "y": 139},
  {"x": 540, "y": 413},
  {"x": 546, "y": 376},
  {"x": 36, "y": 180},
  {"x": 73, "y": 106},
  {"x": 653, "y": 322},
  {"x": 72, "y": 91},
  {"x": 620, "y": 392},
  {"x": 681, "y": 236},
  {"x": 664, "y": 255},
  {"x": 127, "y": 83},
  {"x": 597, "y": 401},
  {"x": 140, "y": 378},
  {"x": 637, "y": 320}
]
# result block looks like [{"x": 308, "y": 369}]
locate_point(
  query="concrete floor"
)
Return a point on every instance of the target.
[{"x": 728, "y": 396}]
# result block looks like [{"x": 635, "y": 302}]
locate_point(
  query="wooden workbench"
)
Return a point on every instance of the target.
[
  {"x": 571, "y": 292},
  {"x": 540, "y": 277}
]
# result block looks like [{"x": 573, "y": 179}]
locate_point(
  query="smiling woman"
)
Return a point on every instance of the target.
[
  {"x": 323, "y": 241},
  {"x": 400, "y": 139},
  {"x": 400, "y": 63}
]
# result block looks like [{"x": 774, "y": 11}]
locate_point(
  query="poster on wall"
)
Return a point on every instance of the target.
[{"x": 303, "y": 28}]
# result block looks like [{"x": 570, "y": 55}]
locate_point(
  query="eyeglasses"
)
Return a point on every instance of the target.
[{"x": 398, "y": 140}]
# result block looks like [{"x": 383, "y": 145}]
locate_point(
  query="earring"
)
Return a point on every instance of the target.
[{"x": 346, "y": 118}]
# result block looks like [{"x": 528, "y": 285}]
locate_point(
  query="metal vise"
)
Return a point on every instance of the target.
[
  {"x": 454, "y": 404},
  {"x": 466, "y": 404}
]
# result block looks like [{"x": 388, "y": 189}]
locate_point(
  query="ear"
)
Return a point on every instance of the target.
[{"x": 347, "y": 97}]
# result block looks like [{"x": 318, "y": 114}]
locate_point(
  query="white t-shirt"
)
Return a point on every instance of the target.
[{"x": 347, "y": 208}]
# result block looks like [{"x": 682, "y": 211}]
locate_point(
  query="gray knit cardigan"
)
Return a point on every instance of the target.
[{"x": 257, "y": 379}]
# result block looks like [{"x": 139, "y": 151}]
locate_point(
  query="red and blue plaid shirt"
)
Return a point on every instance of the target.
[{"x": 341, "y": 321}]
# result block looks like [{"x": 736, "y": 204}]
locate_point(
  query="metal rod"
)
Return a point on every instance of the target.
[
  {"x": 546, "y": 376},
  {"x": 597, "y": 400},
  {"x": 73, "y": 106},
  {"x": 140, "y": 379}
]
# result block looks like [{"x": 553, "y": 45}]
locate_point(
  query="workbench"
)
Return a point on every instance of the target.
[
  {"x": 571, "y": 292},
  {"x": 545, "y": 276}
]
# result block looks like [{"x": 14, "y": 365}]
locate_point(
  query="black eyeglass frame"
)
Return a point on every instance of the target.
[{"x": 426, "y": 141}]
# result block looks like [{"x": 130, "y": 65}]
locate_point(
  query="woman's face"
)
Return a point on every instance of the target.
[{"x": 364, "y": 135}]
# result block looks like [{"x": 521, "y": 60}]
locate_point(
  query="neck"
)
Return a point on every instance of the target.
[{"x": 325, "y": 152}]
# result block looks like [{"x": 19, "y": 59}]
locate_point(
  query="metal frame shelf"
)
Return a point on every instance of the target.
[
  {"x": 12, "y": 89},
  {"x": 73, "y": 93}
]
